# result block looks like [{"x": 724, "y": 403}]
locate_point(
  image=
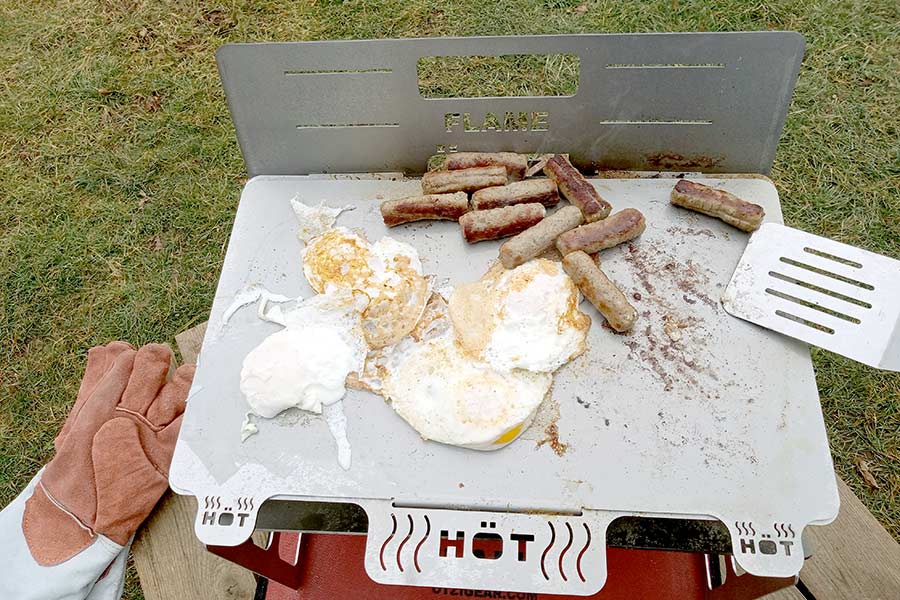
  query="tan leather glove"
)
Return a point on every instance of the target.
[{"x": 112, "y": 454}]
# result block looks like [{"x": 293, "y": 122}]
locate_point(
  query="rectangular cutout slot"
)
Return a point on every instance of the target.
[
  {"x": 341, "y": 72},
  {"x": 812, "y": 305},
  {"x": 342, "y": 125},
  {"x": 657, "y": 122},
  {"x": 667, "y": 66},
  {"x": 797, "y": 319},
  {"x": 838, "y": 259},
  {"x": 800, "y": 265},
  {"x": 510, "y": 75},
  {"x": 821, "y": 290}
]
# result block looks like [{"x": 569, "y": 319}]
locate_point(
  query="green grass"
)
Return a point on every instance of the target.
[
  {"x": 509, "y": 75},
  {"x": 120, "y": 173}
]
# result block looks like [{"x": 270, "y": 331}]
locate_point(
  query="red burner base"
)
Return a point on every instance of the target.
[{"x": 330, "y": 566}]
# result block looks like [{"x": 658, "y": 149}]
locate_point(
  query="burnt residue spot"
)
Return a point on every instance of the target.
[
  {"x": 672, "y": 161},
  {"x": 653, "y": 263},
  {"x": 637, "y": 296},
  {"x": 552, "y": 439},
  {"x": 606, "y": 422},
  {"x": 635, "y": 258},
  {"x": 648, "y": 357},
  {"x": 666, "y": 355},
  {"x": 692, "y": 284},
  {"x": 688, "y": 300},
  {"x": 582, "y": 402}
]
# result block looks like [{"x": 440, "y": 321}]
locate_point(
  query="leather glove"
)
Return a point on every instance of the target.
[{"x": 110, "y": 469}]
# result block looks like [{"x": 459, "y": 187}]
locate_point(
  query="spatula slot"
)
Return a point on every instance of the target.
[
  {"x": 812, "y": 305},
  {"x": 797, "y": 319},
  {"x": 801, "y": 265},
  {"x": 843, "y": 261},
  {"x": 821, "y": 290}
]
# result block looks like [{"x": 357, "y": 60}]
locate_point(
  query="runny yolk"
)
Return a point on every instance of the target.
[{"x": 509, "y": 436}]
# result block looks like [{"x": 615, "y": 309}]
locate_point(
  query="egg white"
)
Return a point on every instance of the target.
[
  {"x": 451, "y": 398},
  {"x": 305, "y": 364},
  {"x": 524, "y": 318}
]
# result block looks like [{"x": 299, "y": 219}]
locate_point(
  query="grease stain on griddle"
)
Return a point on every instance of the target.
[
  {"x": 552, "y": 439},
  {"x": 546, "y": 422}
]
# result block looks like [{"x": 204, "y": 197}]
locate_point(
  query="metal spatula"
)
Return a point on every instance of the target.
[{"x": 825, "y": 293}]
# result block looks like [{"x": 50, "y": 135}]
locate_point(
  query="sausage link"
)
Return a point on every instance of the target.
[
  {"x": 600, "y": 291},
  {"x": 620, "y": 227},
  {"x": 535, "y": 240},
  {"x": 462, "y": 180},
  {"x": 480, "y": 225},
  {"x": 520, "y": 192},
  {"x": 744, "y": 215},
  {"x": 576, "y": 188},
  {"x": 515, "y": 164},
  {"x": 449, "y": 207}
]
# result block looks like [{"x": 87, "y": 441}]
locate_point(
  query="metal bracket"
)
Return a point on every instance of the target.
[{"x": 556, "y": 554}]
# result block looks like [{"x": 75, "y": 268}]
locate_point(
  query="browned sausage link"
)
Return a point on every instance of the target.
[
  {"x": 744, "y": 215},
  {"x": 535, "y": 240},
  {"x": 577, "y": 189},
  {"x": 463, "y": 180},
  {"x": 515, "y": 164},
  {"x": 520, "y": 192},
  {"x": 620, "y": 227},
  {"x": 600, "y": 291},
  {"x": 418, "y": 208},
  {"x": 480, "y": 225}
]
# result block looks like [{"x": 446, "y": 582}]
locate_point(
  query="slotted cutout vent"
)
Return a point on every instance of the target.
[{"x": 810, "y": 295}]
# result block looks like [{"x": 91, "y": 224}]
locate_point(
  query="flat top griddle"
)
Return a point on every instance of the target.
[{"x": 693, "y": 415}]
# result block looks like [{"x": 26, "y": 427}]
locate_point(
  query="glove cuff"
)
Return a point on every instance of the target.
[{"x": 53, "y": 534}]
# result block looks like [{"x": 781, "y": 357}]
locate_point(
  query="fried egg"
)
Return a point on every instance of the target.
[
  {"x": 448, "y": 396},
  {"x": 524, "y": 318},
  {"x": 475, "y": 370},
  {"x": 305, "y": 364},
  {"x": 387, "y": 272}
]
